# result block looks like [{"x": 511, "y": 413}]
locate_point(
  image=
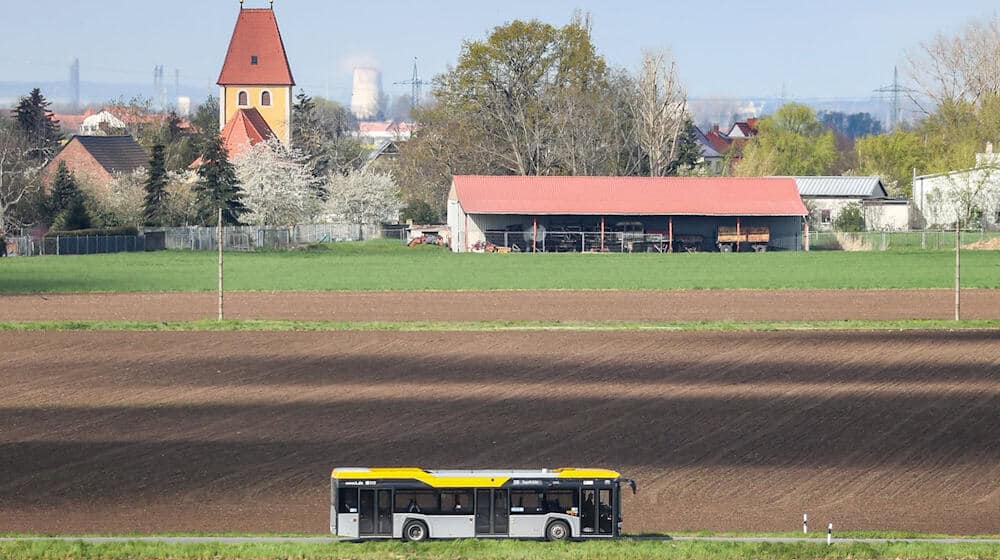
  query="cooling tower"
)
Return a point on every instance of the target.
[{"x": 366, "y": 93}]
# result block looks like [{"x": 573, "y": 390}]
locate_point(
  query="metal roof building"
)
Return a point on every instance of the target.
[
  {"x": 841, "y": 187},
  {"x": 582, "y": 213}
]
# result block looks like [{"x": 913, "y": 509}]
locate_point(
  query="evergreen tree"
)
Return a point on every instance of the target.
[
  {"x": 688, "y": 152},
  {"x": 218, "y": 186},
  {"x": 74, "y": 217},
  {"x": 64, "y": 191},
  {"x": 33, "y": 117},
  {"x": 156, "y": 188}
]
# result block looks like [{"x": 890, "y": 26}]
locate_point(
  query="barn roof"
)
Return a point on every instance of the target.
[
  {"x": 841, "y": 187},
  {"x": 629, "y": 196},
  {"x": 256, "y": 35},
  {"x": 116, "y": 154}
]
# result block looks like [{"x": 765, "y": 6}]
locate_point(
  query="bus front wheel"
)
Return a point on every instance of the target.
[
  {"x": 415, "y": 531},
  {"x": 557, "y": 531}
]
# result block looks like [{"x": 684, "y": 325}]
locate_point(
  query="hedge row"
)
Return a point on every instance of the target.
[{"x": 88, "y": 232}]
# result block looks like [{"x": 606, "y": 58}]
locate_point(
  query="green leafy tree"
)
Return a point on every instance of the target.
[
  {"x": 893, "y": 157},
  {"x": 850, "y": 219},
  {"x": 321, "y": 131},
  {"x": 420, "y": 212},
  {"x": 217, "y": 185},
  {"x": 33, "y": 118},
  {"x": 156, "y": 188},
  {"x": 792, "y": 141}
]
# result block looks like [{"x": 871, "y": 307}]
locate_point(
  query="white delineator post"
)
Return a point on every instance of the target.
[
  {"x": 221, "y": 313},
  {"x": 805, "y": 523},
  {"x": 829, "y": 534},
  {"x": 958, "y": 270}
]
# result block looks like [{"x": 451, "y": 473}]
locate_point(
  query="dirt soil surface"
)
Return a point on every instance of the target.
[
  {"x": 679, "y": 305},
  {"x": 181, "y": 431}
]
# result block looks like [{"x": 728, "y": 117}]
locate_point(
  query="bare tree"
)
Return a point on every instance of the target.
[
  {"x": 20, "y": 176},
  {"x": 660, "y": 106},
  {"x": 963, "y": 67}
]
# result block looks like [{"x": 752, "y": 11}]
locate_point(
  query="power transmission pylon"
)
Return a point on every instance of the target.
[
  {"x": 415, "y": 83},
  {"x": 895, "y": 89}
]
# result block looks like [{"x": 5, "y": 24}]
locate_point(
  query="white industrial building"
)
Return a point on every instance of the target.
[{"x": 941, "y": 197}]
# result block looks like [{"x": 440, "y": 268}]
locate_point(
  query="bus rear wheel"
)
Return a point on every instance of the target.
[
  {"x": 414, "y": 531},
  {"x": 557, "y": 531}
]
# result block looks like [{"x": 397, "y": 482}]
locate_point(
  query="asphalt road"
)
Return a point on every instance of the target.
[{"x": 329, "y": 540}]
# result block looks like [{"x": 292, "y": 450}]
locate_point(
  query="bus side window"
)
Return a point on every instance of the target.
[
  {"x": 416, "y": 502},
  {"x": 526, "y": 501},
  {"x": 456, "y": 502},
  {"x": 348, "y": 498}
]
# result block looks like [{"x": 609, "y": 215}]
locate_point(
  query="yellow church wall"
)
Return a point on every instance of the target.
[{"x": 277, "y": 115}]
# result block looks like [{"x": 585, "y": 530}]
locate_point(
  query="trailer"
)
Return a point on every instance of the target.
[{"x": 734, "y": 238}]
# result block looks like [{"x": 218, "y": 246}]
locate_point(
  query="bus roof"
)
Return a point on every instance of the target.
[{"x": 457, "y": 478}]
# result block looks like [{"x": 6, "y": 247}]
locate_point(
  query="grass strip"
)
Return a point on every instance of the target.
[
  {"x": 489, "y": 550},
  {"x": 380, "y": 266},
  {"x": 494, "y": 326}
]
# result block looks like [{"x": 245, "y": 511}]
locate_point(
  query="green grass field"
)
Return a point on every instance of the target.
[
  {"x": 390, "y": 266},
  {"x": 483, "y": 550}
]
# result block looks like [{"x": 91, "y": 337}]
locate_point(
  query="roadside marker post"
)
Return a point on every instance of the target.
[
  {"x": 829, "y": 534},
  {"x": 805, "y": 523}
]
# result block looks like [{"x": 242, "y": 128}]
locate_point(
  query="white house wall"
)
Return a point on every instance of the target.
[
  {"x": 887, "y": 217},
  {"x": 939, "y": 214}
]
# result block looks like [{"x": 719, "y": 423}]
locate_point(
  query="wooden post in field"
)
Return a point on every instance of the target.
[
  {"x": 958, "y": 270},
  {"x": 221, "y": 311}
]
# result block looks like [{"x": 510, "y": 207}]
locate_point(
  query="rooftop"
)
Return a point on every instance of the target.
[
  {"x": 629, "y": 196},
  {"x": 116, "y": 154},
  {"x": 256, "y": 53},
  {"x": 844, "y": 187}
]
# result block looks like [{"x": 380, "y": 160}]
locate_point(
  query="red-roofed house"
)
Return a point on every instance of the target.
[
  {"x": 622, "y": 213},
  {"x": 256, "y": 75}
]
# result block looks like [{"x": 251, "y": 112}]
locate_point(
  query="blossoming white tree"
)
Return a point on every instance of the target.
[
  {"x": 278, "y": 189},
  {"x": 363, "y": 197}
]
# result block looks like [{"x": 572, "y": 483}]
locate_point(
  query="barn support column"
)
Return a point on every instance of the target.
[
  {"x": 805, "y": 237},
  {"x": 534, "y": 236},
  {"x": 670, "y": 232},
  {"x": 465, "y": 233},
  {"x": 602, "y": 234},
  {"x": 737, "y": 234}
]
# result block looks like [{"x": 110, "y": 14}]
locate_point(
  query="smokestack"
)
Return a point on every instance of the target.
[
  {"x": 366, "y": 93},
  {"x": 74, "y": 83}
]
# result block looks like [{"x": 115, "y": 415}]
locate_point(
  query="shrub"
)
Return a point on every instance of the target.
[
  {"x": 130, "y": 230},
  {"x": 850, "y": 219}
]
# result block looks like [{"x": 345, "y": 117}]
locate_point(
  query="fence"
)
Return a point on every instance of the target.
[
  {"x": 26, "y": 246},
  {"x": 615, "y": 242},
  {"x": 921, "y": 240},
  {"x": 253, "y": 238}
]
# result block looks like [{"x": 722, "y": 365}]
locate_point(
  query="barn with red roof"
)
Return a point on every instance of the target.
[{"x": 629, "y": 214}]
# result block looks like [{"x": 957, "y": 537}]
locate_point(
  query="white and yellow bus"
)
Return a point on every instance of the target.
[{"x": 415, "y": 504}]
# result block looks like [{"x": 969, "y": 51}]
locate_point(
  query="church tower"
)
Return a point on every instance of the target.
[{"x": 255, "y": 85}]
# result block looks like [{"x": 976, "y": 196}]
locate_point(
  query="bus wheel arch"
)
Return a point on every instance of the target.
[
  {"x": 557, "y": 530},
  {"x": 415, "y": 530}
]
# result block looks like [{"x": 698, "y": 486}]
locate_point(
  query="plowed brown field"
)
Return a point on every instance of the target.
[
  {"x": 551, "y": 305},
  {"x": 728, "y": 431}
]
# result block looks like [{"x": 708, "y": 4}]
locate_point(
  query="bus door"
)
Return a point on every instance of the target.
[
  {"x": 597, "y": 512},
  {"x": 492, "y": 512},
  {"x": 375, "y": 513}
]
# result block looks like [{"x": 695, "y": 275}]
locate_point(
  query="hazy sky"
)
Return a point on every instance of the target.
[{"x": 811, "y": 48}]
